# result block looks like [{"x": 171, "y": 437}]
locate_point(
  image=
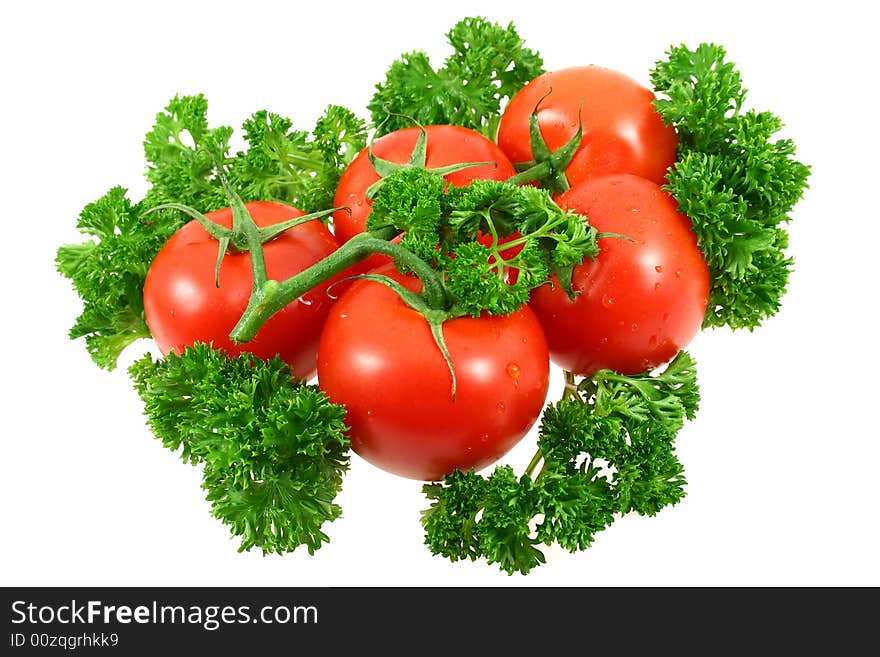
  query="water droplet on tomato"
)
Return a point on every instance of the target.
[
  {"x": 607, "y": 301},
  {"x": 678, "y": 272},
  {"x": 652, "y": 342},
  {"x": 500, "y": 408},
  {"x": 343, "y": 316},
  {"x": 484, "y": 438},
  {"x": 513, "y": 371},
  {"x": 304, "y": 301},
  {"x": 634, "y": 327},
  {"x": 604, "y": 340},
  {"x": 658, "y": 269},
  {"x": 656, "y": 287},
  {"x": 665, "y": 317}
]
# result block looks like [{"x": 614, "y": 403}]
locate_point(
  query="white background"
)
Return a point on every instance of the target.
[{"x": 782, "y": 460}]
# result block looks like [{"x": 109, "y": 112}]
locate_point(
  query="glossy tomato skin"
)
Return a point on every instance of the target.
[
  {"x": 446, "y": 144},
  {"x": 639, "y": 302},
  {"x": 378, "y": 358},
  {"x": 622, "y": 133},
  {"x": 183, "y": 305}
]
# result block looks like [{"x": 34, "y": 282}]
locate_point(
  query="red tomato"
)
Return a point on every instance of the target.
[
  {"x": 622, "y": 133},
  {"x": 640, "y": 302},
  {"x": 183, "y": 305},
  {"x": 446, "y": 145},
  {"x": 378, "y": 358}
]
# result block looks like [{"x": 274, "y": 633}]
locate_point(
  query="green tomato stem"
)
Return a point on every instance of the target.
[
  {"x": 271, "y": 296},
  {"x": 538, "y": 172}
]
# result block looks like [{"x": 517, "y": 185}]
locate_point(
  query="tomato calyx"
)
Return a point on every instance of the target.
[
  {"x": 548, "y": 167},
  {"x": 244, "y": 235},
  {"x": 417, "y": 159}
]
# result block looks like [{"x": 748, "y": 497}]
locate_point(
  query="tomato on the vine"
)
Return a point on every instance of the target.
[
  {"x": 642, "y": 299},
  {"x": 377, "y": 357},
  {"x": 183, "y": 305},
  {"x": 446, "y": 145},
  {"x": 622, "y": 132}
]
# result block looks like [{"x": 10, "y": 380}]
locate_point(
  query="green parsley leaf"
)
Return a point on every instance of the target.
[
  {"x": 447, "y": 226},
  {"x": 504, "y": 533},
  {"x": 736, "y": 182},
  {"x": 489, "y": 64},
  {"x": 664, "y": 399},
  {"x": 182, "y": 153},
  {"x": 292, "y": 166},
  {"x": 280, "y": 163},
  {"x": 576, "y": 506},
  {"x": 451, "y": 519},
  {"x": 274, "y": 450},
  {"x": 108, "y": 272}
]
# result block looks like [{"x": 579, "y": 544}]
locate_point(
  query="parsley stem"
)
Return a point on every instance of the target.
[
  {"x": 570, "y": 391},
  {"x": 545, "y": 229},
  {"x": 534, "y": 462}
]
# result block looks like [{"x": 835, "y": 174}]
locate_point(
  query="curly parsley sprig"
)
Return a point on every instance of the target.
[
  {"x": 605, "y": 449},
  {"x": 461, "y": 231},
  {"x": 293, "y": 166},
  {"x": 279, "y": 164},
  {"x": 489, "y": 64},
  {"x": 108, "y": 271},
  {"x": 734, "y": 179},
  {"x": 273, "y": 449}
]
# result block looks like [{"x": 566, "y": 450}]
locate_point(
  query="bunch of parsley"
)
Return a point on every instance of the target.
[
  {"x": 443, "y": 225},
  {"x": 734, "y": 180},
  {"x": 606, "y": 449},
  {"x": 273, "y": 449},
  {"x": 489, "y": 64},
  {"x": 183, "y": 153}
]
